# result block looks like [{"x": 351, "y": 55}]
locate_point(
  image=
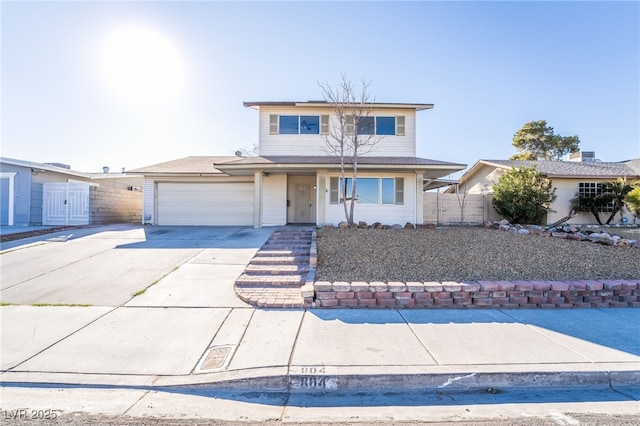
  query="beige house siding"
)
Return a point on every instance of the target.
[
  {"x": 398, "y": 146},
  {"x": 483, "y": 181},
  {"x": 566, "y": 190}
]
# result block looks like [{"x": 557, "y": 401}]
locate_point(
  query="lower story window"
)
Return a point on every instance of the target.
[
  {"x": 368, "y": 190},
  {"x": 587, "y": 191}
]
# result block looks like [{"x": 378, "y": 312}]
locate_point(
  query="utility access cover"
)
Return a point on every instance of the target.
[{"x": 216, "y": 358}]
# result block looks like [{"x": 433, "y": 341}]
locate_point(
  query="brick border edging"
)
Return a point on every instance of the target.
[
  {"x": 307, "y": 291},
  {"x": 479, "y": 294},
  {"x": 471, "y": 294}
]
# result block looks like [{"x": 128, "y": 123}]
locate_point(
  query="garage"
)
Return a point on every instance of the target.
[{"x": 211, "y": 204}]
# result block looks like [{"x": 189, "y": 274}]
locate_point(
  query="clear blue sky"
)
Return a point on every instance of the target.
[{"x": 117, "y": 84}]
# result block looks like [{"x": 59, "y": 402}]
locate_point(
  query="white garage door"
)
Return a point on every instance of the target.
[{"x": 222, "y": 204}]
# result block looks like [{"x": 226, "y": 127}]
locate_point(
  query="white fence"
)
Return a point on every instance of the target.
[{"x": 458, "y": 209}]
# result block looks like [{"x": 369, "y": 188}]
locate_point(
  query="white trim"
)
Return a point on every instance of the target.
[
  {"x": 11, "y": 176},
  {"x": 257, "y": 199}
]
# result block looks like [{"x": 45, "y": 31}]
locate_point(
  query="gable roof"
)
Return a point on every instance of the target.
[
  {"x": 325, "y": 104},
  {"x": 566, "y": 169},
  {"x": 198, "y": 165}
]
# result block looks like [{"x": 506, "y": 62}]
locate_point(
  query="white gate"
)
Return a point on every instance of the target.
[{"x": 65, "y": 203}]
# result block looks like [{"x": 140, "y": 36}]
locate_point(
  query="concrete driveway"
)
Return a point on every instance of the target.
[{"x": 113, "y": 265}]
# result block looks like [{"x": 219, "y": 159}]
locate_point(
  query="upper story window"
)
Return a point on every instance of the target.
[
  {"x": 319, "y": 124},
  {"x": 295, "y": 125},
  {"x": 378, "y": 125}
]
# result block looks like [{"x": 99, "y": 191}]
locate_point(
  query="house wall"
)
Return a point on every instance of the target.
[
  {"x": 387, "y": 214},
  {"x": 482, "y": 181},
  {"x": 397, "y": 146},
  {"x": 113, "y": 205},
  {"x": 21, "y": 193},
  {"x": 149, "y": 188},
  {"x": 566, "y": 190},
  {"x": 274, "y": 200}
]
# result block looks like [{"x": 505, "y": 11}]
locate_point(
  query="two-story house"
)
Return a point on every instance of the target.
[{"x": 293, "y": 179}]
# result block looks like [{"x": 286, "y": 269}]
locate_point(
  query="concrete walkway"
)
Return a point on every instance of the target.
[{"x": 131, "y": 307}]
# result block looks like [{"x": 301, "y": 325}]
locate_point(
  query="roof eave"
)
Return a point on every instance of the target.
[{"x": 320, "y": 104}]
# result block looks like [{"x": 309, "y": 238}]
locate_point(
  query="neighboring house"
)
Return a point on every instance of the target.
[
  {"x": 293, "y": 179},
  {"x": 52, "y": 194},
  {"x": 580, "y": 176}
]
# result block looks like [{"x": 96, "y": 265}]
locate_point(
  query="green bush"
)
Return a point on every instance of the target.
[
  {"x": 632, "y": 200},
  {"x": 523, "y": 195}
]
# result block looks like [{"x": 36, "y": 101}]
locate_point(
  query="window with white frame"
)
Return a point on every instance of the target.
[
  {"x": 376, "y": 125},
  {"x": 319, "y": 124},
  {"x": 298, "y": 124},
  {"x": 588, "y": 191},
  {"x": 368, "y": 190}
]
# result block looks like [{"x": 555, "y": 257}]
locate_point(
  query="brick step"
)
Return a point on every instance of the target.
[
  {"x": 281, "y": 253},
  {"x": 291, "y": 237},
  {"x": 280, "y": 260},
  {"x": 295, "y": 233},
  {"x": 245, "y": 280},
  {"x": 275, "y": 269},
  {"x": 269, "y": 245},
  {"x": 289, "y": 245}
]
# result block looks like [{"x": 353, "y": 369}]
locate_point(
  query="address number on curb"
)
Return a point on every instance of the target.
[{"x": 312, "y": 378}]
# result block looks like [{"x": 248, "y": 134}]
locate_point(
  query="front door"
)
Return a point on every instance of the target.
[{"x": 301, "y": 199}]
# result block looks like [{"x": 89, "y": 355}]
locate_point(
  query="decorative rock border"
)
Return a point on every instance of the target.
[
  {"x": 480, "y": 294},
  {"x": 570, "y": 232}
]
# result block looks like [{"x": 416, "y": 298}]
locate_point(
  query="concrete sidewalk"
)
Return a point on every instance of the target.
[
  {"x": 243, "y": 348},
  {"x": 188, "y": 329}
]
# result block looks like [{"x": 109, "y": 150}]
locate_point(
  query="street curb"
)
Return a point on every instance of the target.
[{"x": 309, "y": 383}]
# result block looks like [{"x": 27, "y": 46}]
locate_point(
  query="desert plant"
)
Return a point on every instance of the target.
[{"x": 632, "y": 200}]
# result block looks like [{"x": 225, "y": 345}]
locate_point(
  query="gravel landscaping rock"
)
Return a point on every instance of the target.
[{"x": 465, "y": 254}]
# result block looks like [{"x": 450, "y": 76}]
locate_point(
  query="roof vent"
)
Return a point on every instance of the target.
[{"x": 583, "y": 156}]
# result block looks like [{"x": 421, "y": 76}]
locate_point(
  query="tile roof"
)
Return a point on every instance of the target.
[{"x": 571, "y": 168}]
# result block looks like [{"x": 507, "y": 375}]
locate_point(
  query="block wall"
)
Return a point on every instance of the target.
[
  {"x": 112, "y": 205},
  {"x": 480, "y": 294}
]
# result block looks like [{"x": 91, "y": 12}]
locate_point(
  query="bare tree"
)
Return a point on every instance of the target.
[
  {"x": 248, "y": 151},
  {"x": 349, "y": 135},
  {"x": 462, "y": 200}
]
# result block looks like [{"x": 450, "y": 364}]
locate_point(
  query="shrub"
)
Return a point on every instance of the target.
[
  {"x": 632, "y": 200},
  {"x": 523, "y": 195}
]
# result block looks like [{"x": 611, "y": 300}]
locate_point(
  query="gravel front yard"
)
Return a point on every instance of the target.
[{"x": 466, "y": 253}]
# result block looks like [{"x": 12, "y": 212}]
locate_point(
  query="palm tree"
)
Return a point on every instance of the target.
[{"x": 613, "y": 192}]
